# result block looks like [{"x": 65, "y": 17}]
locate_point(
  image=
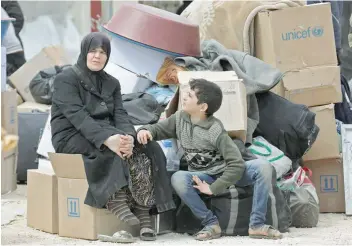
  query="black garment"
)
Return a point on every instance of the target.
[
  {"x": 14, "y": 61},
  {"x": 82, "y": 119},
  {"x": 343, "y": 110},
  {"x": 346, "y": 51}
]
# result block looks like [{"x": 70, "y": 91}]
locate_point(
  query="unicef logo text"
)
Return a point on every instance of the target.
[{"x": 310, "y": 32}]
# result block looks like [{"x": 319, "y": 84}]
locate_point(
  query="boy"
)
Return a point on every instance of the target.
[{"x": 214, "y": 161}]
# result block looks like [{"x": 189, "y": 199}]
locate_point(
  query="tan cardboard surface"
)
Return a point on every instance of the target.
[
  {"x": 233, "y": 111},
  {"x": 9, "y": 118},
  {"x": 326, "y": 145},
  {"x": 68, "y": 165},
  {"x": 8, "y": 171},
  {"x": 78, "y": 220},
  {"x": 28, "y": 107},
  {"x": 328, "y": 180},
  {"x": 291, "y": 39},
  {"x": 313, "y": 86},
  {"x": 42, "y": 201},
  {"x": 48, "y": 57}
]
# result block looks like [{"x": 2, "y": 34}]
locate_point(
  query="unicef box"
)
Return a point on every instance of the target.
[{"x": 296, "y": 38}]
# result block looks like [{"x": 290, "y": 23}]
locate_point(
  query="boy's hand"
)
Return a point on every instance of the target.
[
  {"x": 143, "y": 136},
  {"x": 202, "y": 186}
]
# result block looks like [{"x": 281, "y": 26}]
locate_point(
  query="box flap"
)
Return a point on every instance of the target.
[
  {"x": 31, "y": 106},
  {"x": 48, "y": 57},
  {"x": 321, "y": 108},
  {"x": 68, "y": 165},
  {"x": 311, "y": 78},
  {"x": 185, "y": 76},
  {"x": 172, "y": 107},
  {"x": 41, "y": 171}
]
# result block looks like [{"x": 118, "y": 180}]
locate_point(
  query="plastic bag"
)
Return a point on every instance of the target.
[
  {"x": 304, "y": 202},
  {"x": 262, "y": 149},
  {"x": 170, "y": 149},
  {"x": 292, "y": 181},
  {"x": 304, "y": 205},
  {"x": 41, "y": 86}
]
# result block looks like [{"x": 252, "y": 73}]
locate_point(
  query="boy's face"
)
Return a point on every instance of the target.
[{"x": 190, "y": 103}]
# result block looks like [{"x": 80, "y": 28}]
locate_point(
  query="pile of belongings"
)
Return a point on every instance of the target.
[{"x": 146, "y": 66}]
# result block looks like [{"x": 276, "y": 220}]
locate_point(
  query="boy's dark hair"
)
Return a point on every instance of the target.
[{"x": 207, "y": 92}]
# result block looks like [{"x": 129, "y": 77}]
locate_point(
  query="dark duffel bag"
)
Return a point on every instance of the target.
[
  {"x": 30, "y": 128},
  {"x": 288, "y": 126}
]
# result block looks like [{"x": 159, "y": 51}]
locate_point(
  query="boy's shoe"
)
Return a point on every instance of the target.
[
  {"x": 208, "y": 233},
  {"x": 264, "y": 232}
]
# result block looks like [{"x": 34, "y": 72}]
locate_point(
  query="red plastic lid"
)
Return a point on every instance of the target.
[{"x": 157, "y": 28}]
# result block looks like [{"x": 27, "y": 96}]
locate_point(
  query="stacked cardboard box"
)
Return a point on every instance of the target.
[
  {"x": 10, "y": 125},
  {"x": 233, "y": 110},
  {"x": 56, "y": 193},
  {"x": 303, "y": 48}
]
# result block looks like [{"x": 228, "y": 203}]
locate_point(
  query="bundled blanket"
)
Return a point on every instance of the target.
[{"x": 231, "y": 22}]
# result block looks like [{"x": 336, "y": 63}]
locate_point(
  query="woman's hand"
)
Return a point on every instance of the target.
[
  {"x": 126, "y": 145},
  {"x": 143, "y": 136},
  {"x": 114, "y": 144}
]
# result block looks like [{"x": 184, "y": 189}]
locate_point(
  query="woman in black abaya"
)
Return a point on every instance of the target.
[{"x": 88, "y": 118}]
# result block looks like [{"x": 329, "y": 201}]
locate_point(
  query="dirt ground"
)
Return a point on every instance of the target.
[{"x": 333, "y": 229}]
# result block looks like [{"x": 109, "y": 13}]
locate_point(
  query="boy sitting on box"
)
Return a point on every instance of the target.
[{"x": 214, "y": 161}]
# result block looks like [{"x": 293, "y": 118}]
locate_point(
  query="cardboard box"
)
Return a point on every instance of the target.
[
  {"x": 48, "y": 57},
  {"x": 312, "y": 86},
  {"x": 76, "y": 219},
  {"x": 8, "y": 171},
  {"x": 326, "y": 145},
  {"x": 9, "y": 118},
  {"x": 291, "y": 39},
  {"x": 42, "y": 203},
  {"x": 328, "y": 180},
  {"x": 3, "y": 69},
  {"x": 346, "y": 142},
  {"x": 233, "y": 110},
  {"x": 28, "y": 107}
]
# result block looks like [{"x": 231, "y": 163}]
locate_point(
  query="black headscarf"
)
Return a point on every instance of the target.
[{"x": 92, "y": 41}]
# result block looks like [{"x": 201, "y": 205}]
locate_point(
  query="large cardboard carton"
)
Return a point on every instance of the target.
[
  {"x": 48, "y": 57},
  {"x": 291, "y": 39},
  {"x": 233, "y": 110},
  {"x": 9, "y": 118},
  {"x": 8, "y": 171},
  {"x": 313, "y": 86},
  {"x": 76, "y": 219},
  {"x": 328, "y": 180},
  {"x": 42, "y": 203},
  {"x": 3, "y": 69},
  {"x": 326, "y": 145},
  {"x": 28, "y": 107}
]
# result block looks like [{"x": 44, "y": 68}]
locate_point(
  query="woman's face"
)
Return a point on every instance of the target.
[{"x": 96, "y": 59}]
